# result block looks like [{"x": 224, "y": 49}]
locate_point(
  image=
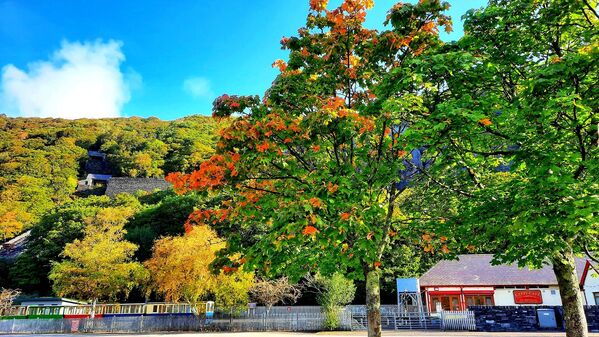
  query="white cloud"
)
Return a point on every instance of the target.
[
  {"x": 81, "y": 80},
  {"x": 198, "y": 87}
]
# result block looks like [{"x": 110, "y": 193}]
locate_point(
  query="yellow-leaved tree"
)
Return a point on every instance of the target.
[
  {"x": 180, "y": 271},
  {"x": 100, "y": 266}
]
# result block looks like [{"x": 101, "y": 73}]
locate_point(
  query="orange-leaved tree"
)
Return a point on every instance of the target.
[{"x": 315, "y": 171}]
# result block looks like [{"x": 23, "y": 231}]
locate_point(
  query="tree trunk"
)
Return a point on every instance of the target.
[
  {"x": 564, "y": 268},
  {"x": 373, "y": 303}
]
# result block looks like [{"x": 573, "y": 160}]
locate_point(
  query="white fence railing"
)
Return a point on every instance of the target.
[{"x": 458, "y": 320}]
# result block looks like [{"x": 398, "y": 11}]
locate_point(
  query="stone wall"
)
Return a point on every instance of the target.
[
  {"x": 524, "y": 318},
  {"x": 593, "y": 317}
]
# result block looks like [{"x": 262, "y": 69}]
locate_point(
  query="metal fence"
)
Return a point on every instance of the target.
[
  {"x": 126, "y": 324},
  {"x": 279, "y": 319},
  {"x": 166, "y": 323},
  {"x": 446, "y": 320},
  {"x": 458, "y": 320}
]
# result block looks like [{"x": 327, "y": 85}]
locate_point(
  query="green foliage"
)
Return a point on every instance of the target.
[
  {"x": 163, "y": 216},
  {"x": 231, "y": 291},
  {"x": 333, "y": 293},
  {"x": 157, "y": 214},
  {"x": 99, "y": 266},
  {"x": 514, "y": 130},
  {"x": 511, "y": 122},
  {"x": 49, "y": 237},
  {"x": 41, "y": 159}
]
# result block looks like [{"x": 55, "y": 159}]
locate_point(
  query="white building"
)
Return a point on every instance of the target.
[
  {"x": 473, "y": 280},
  {"x": 590, "y": 284}
]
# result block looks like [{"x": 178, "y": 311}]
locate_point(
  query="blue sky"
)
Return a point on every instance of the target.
[{"x": 147, "y": 58}]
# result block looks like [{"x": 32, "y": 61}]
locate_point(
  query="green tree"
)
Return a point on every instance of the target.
[
  {"x": 49, "y": 236},
  {"x": 100, "y": 265},
  {"x": 511, "y": 120},
  {"x": 315, "y": 168},
  {"x": 333, "y": 293},
  {"x": 231, "y": 290},
  {"x": 41, "y": 159},
  {"x": 163, "y": 216}
]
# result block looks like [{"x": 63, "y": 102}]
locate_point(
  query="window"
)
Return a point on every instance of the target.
[
  {"x": 447, "y": 302},
  {"x": 479, "y": 300},
  {"x": 596, "y": 295}
]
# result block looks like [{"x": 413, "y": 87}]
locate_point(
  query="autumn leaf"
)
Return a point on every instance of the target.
[
  {"x": 280, "y": 64},
  {"x": 315, "y": 202},
  {"x": 345, "y": 216},
  {"x": 332, "y": 188},
  {"x": 485, "y": 122},
  {"x": 318, "y": 5},
  {"x": 262, "y": 147},
  {"x": 310, "y": 230}
]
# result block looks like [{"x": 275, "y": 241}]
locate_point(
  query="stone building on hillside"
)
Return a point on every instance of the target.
[{"x": 118, "y": 185}]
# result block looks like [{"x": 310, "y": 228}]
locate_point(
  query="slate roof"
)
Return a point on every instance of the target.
[
  {"x": 118, "y": 185},
  {"x": 476, "y": 270},
  {"x": 12, "y": 248},
  {"x": 97, "y": 176}
]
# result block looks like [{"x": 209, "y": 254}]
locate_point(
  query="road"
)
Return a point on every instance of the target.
[{"x": 331, "y": 334}]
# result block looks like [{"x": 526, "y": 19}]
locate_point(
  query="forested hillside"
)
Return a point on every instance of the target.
[{"x": 41, "y": 160}]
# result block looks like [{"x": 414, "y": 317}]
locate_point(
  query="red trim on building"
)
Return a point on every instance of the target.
[
  {"x": 441, "y": 292},
  {"x": 478, "y": 292},
  {"x": 587, "y": 266}
]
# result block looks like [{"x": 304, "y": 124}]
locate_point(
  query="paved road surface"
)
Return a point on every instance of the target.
[{"x": 329, "y": 334}]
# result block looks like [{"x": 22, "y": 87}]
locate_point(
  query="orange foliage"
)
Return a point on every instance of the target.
[
  {"x": 315, "y": 202},
  {"x": 212, "y": 173},
  {"x": 485, "y": 122},
  {"x": 332, "y": 187},
  {"x": 280, "y": 64},
  {"x": 262, "y": 147},
  {"x": 334, "y": 103},
  {"x": 345, "y": 216},
  {"x": 310, "y": 230},
  {"x": 204, "y": 217},
  {"x": 318, "y": 5}
]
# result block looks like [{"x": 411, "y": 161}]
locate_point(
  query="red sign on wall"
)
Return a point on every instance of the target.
[{"x": 528, "y": 297}]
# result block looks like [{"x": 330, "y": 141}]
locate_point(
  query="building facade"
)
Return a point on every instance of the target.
[
  {"x": 473, "y": 280},
  {"x": 590, "y": 284}
]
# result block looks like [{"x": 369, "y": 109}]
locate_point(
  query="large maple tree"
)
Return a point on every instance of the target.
[{"x": 314, "y": 171}]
